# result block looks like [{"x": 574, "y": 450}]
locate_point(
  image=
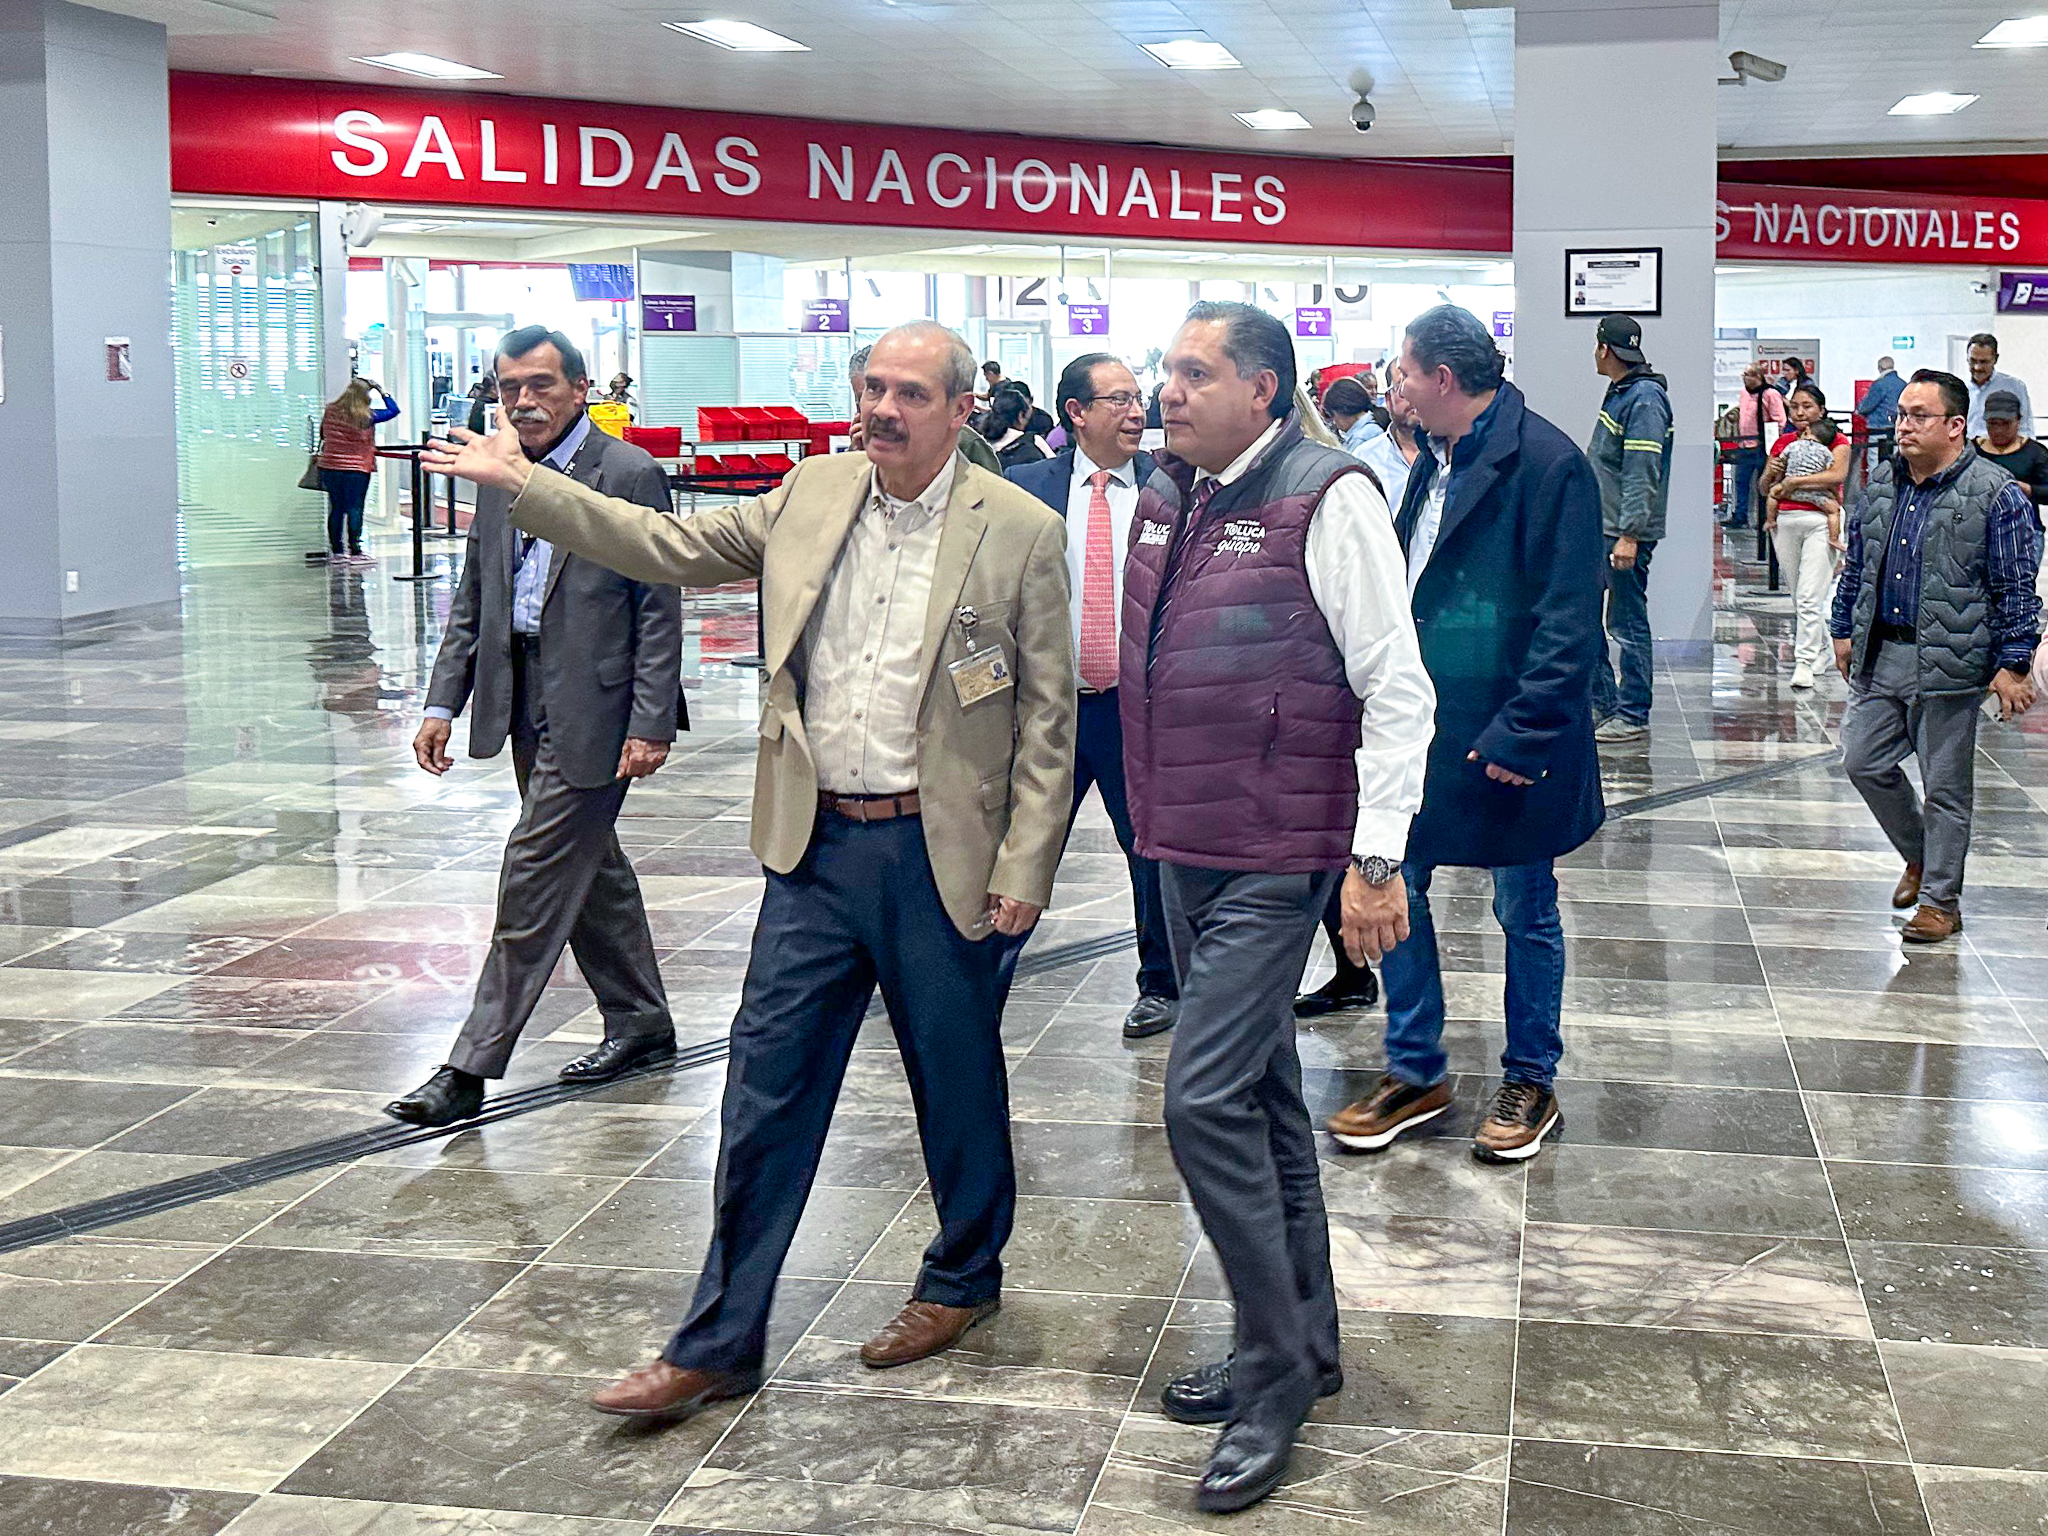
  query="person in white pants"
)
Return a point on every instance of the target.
[{"x": 1802, "y": 483}]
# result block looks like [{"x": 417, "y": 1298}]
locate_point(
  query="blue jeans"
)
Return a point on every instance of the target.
[
  {"x": 345, "y": 489},
  {"x": 1628, "y": 626},
  {"x": 1525, "y": 906},
  {"x": 1748, "y": 462}
]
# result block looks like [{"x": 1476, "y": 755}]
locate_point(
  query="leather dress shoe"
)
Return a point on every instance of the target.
[
  {"x": 615, "y": 1058},
  {"x": 1151, "y": 1015},
  {"x": 443, "y": 1099},
  {"x": 1203, "y": 1396},
  {"x": 663, "y": 1391},
  {"x": 1354, "y": 989},
  {"x": 1930, "y": 925},
  {"x": 1908, "y": 891},
  {"x": 922, "y": 1329},
  {"x": 1249, "y": 1462}
]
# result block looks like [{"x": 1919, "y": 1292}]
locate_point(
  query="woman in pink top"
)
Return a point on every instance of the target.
[
  {"x": 348, "y": 454},
  {"x": 1759, "y": 418}
]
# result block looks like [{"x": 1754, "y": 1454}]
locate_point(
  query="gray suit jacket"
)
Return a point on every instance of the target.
[{"x": 611, "y": 652}]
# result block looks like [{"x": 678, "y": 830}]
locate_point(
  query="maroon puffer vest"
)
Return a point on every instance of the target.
[{"x": 1239, "y": 723}]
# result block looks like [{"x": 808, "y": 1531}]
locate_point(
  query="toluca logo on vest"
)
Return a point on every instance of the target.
[
  {"x": 1154, "y": 533},
  {"x": 1245, "y": 536}
]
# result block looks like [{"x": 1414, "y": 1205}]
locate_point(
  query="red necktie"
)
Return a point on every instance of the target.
[{"x": 1098, "y": 658}]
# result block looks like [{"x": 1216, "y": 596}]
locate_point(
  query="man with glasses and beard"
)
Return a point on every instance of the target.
[
  {"x": 582, "y": 669},
  {"x": 1935, "y": 605}
]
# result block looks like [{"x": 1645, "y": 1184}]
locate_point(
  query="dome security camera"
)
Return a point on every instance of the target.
[{"x": 1363, "y": 114}]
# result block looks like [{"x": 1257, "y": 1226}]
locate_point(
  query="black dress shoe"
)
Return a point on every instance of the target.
[
  {"x": 615, "y": 1058},
  {"x": 446, "y": 1097},
  {"x": 1202, "y": 1396},
  {"x": 1151, "y": 1015},
  {"x": 1249, "y": 1462},
  {"x": 1355, "y": 989}
]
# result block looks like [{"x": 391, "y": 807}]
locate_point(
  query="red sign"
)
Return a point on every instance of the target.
[
  {"x": 1807, "y": 224},
  {"x": 242, "y": 136}
]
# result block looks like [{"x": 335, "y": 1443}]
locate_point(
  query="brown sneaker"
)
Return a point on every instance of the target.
[
  {"x": 1391, "y": 1108},
  {"x": 922, "y": 1329},
  {"x": 1513, "y": 1130},
  {"x": 663, "y": 1391},
  {"x": 1908, "y": 890},
  {"x": 1930, "y": 925}
]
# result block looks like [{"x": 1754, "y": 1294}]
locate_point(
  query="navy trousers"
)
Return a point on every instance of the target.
[
  {"x": 860, "y": 911},
  {"x": 1099, "y": 760}
]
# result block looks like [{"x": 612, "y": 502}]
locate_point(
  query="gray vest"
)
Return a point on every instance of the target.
[{"x": 1954, "y": 632}]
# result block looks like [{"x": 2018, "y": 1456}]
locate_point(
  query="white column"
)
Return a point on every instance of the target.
[
  {"x": 1615, "y": 146},
  {"x": 90, "y": 517}
]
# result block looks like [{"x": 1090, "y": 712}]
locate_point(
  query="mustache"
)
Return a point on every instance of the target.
[
  {"x": 885, "y": 429},
  {"x": 524, "y": 413}
]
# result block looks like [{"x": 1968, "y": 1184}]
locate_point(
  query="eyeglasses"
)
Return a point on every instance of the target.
[
  {"x": 1122, "y": 399},
  {"x": 1922, "y": 418}
]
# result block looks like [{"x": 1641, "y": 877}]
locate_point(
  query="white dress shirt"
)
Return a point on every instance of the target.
[
  {"x": 865, "y": 643},
  {"x": 1429, "y": 520},
  {"x": 1122, "y": 492},
  {"x": 1382, "y": 455},
  {"x": 1354, "y": 575}
]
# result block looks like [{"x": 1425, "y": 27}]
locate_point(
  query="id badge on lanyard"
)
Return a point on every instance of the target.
[{"x": 983, "y": 671}]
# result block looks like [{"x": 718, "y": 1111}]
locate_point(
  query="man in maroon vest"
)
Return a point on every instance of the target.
[{"x": 1276, "y": 719}]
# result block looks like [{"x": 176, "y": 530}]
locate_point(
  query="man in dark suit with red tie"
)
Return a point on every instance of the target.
[{"x": 1094, "y": 486}]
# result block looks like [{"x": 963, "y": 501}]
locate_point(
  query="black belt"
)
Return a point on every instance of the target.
[
  {"x": 1895, "y": 634},
  {"x": 529, "y": 644}
]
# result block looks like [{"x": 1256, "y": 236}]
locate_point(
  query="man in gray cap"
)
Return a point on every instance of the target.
[{"x": 1631, "y": 454}]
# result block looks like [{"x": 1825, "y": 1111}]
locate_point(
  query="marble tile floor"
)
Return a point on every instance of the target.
[{"x": 1786, "y": 1267}]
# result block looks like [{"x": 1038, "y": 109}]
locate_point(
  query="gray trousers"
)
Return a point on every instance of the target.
[
  {"x": 1888, "y": 721},
  {"x": 565, "y": 881},
  {"x": 1240, "y": 1132}
]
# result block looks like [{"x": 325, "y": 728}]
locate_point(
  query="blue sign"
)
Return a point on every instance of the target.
[
  {"x": 609, "y": 282},
  {"x": 1503, "y": 324},
  {"x": 826, "y": 315},
  {"x": 1087, "y": 319},
  {"x": 2022, "y": 291},
  {"x": 1312, "y": 322},
  {"x": 668, "y": 312}
]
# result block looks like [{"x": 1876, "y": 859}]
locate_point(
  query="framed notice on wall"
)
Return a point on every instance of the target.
[{"x": 1614, "y": 282}]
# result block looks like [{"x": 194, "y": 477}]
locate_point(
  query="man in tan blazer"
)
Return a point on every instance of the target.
[{"x": 910, "y": 799}]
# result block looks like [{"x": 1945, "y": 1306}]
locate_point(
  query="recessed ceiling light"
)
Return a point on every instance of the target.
[
  {"x": 1192, "y": 53},
  {"x": 427, "y": 67},
  {"x": 1930, "y": 104},
  {"x": 739, "y": 36},
  {"x": 1272, "y": 119},
  {"x": 2021, "y": 32}
]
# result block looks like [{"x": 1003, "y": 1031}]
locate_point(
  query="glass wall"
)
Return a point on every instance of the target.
[{"x": 245, "y": 321}]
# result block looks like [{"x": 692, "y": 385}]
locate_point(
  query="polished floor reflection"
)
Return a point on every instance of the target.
[{"x": 1785, "y": 1269}]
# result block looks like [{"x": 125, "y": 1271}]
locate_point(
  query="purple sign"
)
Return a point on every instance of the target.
[
  {"x": 668, "y": 312},
  {"x": 1087, "y": 319},
  {"x": 1503, "y": 323},
  {"x": 2022, "y": 291},
  {"x": 1312, "y": 322},
  {"x": 821, "y": 315}
]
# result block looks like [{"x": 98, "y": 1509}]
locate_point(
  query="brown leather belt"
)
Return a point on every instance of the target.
[{"x": 869, "y": 807}]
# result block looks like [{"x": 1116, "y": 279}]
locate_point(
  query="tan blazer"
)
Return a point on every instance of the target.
[{"x": 995, "y": 778}]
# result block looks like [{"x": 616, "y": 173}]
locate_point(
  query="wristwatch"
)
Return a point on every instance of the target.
[{"x": 1376, "y": 870}]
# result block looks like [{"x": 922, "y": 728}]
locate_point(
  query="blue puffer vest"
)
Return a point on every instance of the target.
[{"x": 1239, "y": 722}]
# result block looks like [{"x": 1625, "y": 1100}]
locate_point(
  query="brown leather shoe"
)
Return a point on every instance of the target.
[
  {"x": 1391, "y": 1109},
  {"x": 1930, "y": 925},
  {"x": 921, "y": 1329},
  {"x": 1908, "y": 890},
  {"x": 664, "y": 1391}
]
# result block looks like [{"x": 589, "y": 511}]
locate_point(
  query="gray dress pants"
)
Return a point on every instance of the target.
[
  {"x": 1888, "y": 721},
  {"x": 565, "y": 881},
  {"x": 1239, "y": 1129}
]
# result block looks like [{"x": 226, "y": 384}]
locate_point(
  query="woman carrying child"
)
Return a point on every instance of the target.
[{"x": 1802, "y": 485}]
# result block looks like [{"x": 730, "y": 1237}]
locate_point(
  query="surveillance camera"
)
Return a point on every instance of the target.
[{"x": 1363, "y": 115}]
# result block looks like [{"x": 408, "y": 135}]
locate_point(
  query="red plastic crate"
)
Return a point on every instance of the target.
[
  {"x": 662, "y": 442},
  {"x": 720, "y": 424},
  {"x": 788, "y": 421},
  {"x": 777, "y": 464}
]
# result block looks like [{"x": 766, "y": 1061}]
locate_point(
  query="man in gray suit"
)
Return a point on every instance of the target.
[{"x": 581, "y": 669}]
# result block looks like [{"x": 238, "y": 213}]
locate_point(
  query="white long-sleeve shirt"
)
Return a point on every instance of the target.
[
  {"x": 865, "y": 643},
  {"x": 1360, "y": 583}
]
